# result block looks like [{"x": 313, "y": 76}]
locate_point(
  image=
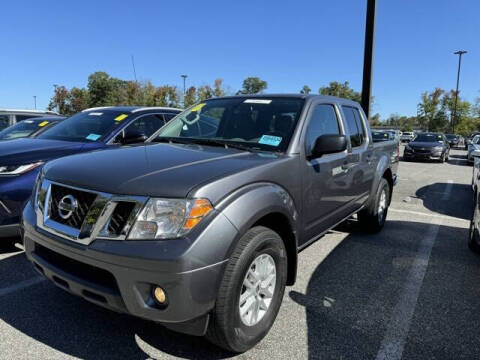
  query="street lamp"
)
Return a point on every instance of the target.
[
  {"x": 459, "y": 53},
  {"x": 368, "y": 55},
  {"x": 35, "y": 101},
  {"x": 184, "y": 79}
]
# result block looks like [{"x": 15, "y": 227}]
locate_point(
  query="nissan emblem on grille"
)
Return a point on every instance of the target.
[{"x": 67, "y": 206}]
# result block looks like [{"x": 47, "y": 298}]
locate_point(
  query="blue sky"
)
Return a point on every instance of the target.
[{"x": 287, "y": 43}]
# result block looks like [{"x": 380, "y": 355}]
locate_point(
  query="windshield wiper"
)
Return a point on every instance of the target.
[{"x": 205, "y": 141}]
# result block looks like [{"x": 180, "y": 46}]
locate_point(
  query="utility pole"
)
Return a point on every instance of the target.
[
  {"x": 55, "y": 96},
  {"x": 35, "y": 101},
  {"x": 134, "y": 71},
  {"x": 184, "y": 79},
  {"x": 368, "y": 55},
  {"x": 454, "y": 118}
]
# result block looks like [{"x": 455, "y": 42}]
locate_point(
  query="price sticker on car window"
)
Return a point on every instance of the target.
[
  {"x": 43, "y": 123},
  {"x": 93, "y": 137},
  {"x": 121, "y": 117},
  {"x": 198, "y": 107},
  {"x": 270, "y": 140}
]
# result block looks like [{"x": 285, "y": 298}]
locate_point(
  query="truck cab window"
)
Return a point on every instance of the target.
[
  {"x": 354, "y": 124},
  {"x": 323, "y": 121},
  {"x": 146, "y": 125}
]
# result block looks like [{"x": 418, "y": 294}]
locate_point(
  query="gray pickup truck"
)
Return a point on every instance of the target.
[{"x": 199, "y": 229}]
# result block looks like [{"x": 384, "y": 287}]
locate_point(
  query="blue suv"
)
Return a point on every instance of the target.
[{"x": 91, "y": 129}]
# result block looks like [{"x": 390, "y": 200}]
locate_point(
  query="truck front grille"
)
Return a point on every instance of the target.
[
  {"x": 119, "y": 217},
  {"x": 84, "y": 202}
]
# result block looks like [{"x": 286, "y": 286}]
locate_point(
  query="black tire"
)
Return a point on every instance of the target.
[
  {"x": 369, "y": 218},
  {"x": 473, "y": 235},
  {"x": 226, "y": 328}
]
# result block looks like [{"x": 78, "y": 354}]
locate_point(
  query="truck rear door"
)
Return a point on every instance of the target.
[{"x": 360, "y": 158}]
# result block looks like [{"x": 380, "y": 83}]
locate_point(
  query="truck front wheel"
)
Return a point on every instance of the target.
[
  {"x": 251, "y": 291},
  {"x": 373, "y": 218}
]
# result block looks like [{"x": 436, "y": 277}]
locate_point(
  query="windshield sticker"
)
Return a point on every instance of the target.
[
  {"x": 43, "y": 123},
  {"x": 28, "y": 121},
  {"x": 385, "y": 135},
  {"x": 95, "y": 114},
  {"x": 93, "y": 137},
  {"x": 270, "y": 140},
  {"x": 121, "y": 117},
  {"x": 198, "y": 107},
  {"x": 257, "y": 101}
]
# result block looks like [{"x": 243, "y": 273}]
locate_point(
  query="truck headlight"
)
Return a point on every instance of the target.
[
  {"x": 168, "y": 218},
  {"x": 18, "y": 169}
]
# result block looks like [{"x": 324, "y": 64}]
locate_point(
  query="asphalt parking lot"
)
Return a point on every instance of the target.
[{"x": 412, "y": 292}]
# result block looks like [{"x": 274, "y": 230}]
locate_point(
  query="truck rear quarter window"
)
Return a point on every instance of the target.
[
  {"x": 323, "y": 121},
  {"x": 355, "y": 126}
]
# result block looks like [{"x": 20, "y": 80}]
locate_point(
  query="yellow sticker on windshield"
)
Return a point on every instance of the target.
[
  {"x": 439, "y": 136},
  {"x": 198, "y": 107},
  {"x": 121, "y": 117},
  {"x": 43, "y": 123},
  {"x": 385, "y": 135}
]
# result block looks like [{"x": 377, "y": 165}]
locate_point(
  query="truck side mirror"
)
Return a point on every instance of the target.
[{"x": 329, "y": 144}]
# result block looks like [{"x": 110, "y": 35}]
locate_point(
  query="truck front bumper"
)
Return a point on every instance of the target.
[{"x": 121, "y": 275}]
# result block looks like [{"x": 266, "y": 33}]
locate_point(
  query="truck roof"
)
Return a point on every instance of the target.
[{"x": 293, "y": 95}]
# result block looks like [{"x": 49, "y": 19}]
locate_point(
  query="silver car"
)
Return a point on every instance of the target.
[
  {"x": 474, "y": 237},
  {"x": 473, "y": 145}
]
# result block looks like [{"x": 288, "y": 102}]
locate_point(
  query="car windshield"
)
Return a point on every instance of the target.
[
  {"x": 253, "y": 123},
  {"x": 22, "y": 129},
  {"x": 86, "y": 126},
  {"x": 429, "y": 138}
]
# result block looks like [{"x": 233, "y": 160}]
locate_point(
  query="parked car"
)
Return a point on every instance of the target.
[
  {"x": 92, "y": 129},
  {"x": 30, "y": 127},
  {"x": 407, "y": 136},
  {"x": 378, "y": 136},
  {"x": 9, "y": 117},
  {"x": 453, "y": 140},
  {"x": 427, "y": 146},
  {"x": 199, "y": 229},
  {"x": 474, "y": 144},
  {"x": 469, "y": 138},
  {"x": 474, "y": 234}
]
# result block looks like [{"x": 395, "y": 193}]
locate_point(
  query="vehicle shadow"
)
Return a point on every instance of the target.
[
  {"x": 351, "y": 295},
  {"x": 458, "y": 160},
  {"x": 460, "y": 202},
  {"x": 6, "y": 246},
  {"x": 78, "y": 328}
]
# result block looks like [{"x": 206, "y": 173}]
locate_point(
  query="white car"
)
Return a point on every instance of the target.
[{"x": 407, "y": 136}]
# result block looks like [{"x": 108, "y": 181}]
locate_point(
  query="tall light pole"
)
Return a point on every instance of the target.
[
  {"x": 184, "y": 79},
  {"x": 368, "y": 55},
  {"x": 55, "y": 95},
  {"x": 459, "y": 53},
  {"x": 35, "y": 101}
]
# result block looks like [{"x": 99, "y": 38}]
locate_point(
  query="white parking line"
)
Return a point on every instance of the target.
[
  {"x": 21, "y": 285},
  {"x": 394, "y": 340}
]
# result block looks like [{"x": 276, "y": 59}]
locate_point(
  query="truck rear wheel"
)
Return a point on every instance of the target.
[
  {"x": 373, "y": 218},
  {"x": 251, "y": 291}
]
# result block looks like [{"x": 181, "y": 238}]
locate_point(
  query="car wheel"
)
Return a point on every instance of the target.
[
  {"x": 373, "y": 218},
  {"x": 251, "y": 291},
  {"x": 473, "y": 235}
]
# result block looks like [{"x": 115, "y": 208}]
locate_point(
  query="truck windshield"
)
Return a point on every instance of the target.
[
  {"x": 254, "y": 123},
  {"x": 85, "y": 126},
  {"x": 429, "y": 138}
]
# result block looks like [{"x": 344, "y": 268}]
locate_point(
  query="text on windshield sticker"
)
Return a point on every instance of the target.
[
  {"x": 43, "y": 123},
  {"x": 95, "y": 114},
  {"x": 270, "y": 140},
  {"x": 93, "y": 137},
  {"x": 121, "y": 117}
]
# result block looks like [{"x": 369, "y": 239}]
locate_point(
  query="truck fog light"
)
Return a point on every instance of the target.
[{"x": 159, "y": 295}]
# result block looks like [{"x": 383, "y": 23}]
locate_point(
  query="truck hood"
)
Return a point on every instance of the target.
[
  {"x": 160, "y": 170},
  {"x": 25, "y": 150}
]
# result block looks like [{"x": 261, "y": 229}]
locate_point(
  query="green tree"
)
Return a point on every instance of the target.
[
  {"x": 253, "y": 85},
  {"x": 190, "y": 97},
  {"x": 60, "y": 101},
  {"x": 218, "y": 89},
  {"x": 375, "y": 120},
  {"x": 338, "y": 89},
  {"x": 428, "y": 109},
  {"x": 78, "y": 100},
  {"x": 205, "y": 92},
  {"x": 305, "y": 89},
  {"x": 102, "y": 89}
]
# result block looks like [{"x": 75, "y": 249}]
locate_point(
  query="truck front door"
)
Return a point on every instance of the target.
[{"x": 325, "y": 178}]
